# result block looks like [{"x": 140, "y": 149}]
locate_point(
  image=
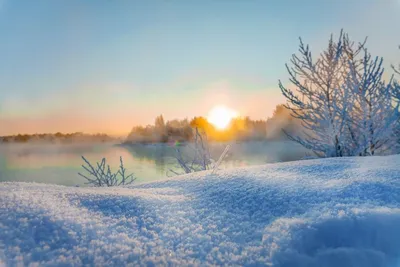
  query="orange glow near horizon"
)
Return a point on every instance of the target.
[
  {"x": 117, "y": 118},
  {"x": 220, "y": 116}
]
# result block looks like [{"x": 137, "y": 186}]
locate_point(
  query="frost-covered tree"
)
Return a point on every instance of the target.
[
  {"x": 396, "y": 97},
  {"x": 373, "y": 115},
  {"x": 197, "y": 157},
  {"x": 160, "y": 129},
  {"x": 316, "y": 99},
  {"x": 159, "y": 123},
  {"x": 396, "y": 68},
  {"x": 345, "y": 107},
  {"x": 396, "y": 91},
  {"x": 281, "y": 120}
]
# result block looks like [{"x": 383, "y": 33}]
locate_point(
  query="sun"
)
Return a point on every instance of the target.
[{"x": 221, "y": 116}]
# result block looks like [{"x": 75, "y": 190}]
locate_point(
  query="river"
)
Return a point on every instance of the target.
[{"x": 60, "y": 163}]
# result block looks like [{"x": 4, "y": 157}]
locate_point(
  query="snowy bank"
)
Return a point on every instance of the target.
[{"x": 331, "y": 212}]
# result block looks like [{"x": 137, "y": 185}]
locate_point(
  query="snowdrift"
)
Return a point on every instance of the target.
[{"x": 331, "y": 212}]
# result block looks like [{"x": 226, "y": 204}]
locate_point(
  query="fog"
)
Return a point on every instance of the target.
[{"x": 60, "y": 163}]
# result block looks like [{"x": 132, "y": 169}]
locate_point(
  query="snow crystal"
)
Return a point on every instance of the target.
[{"x": 331, "y": 212}]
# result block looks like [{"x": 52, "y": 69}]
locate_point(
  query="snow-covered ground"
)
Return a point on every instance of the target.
[{"x": 332, "y": 212}]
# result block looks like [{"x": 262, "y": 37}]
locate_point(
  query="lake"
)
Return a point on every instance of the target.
[{"x": 60, "y": 163}]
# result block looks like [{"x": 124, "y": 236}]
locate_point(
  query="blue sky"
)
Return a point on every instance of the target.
[{"x": 108, "y": 65}]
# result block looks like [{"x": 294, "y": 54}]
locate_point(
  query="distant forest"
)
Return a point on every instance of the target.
[
  {"x": 57, "y": 138},
  {"x": 240, "y": 129}
]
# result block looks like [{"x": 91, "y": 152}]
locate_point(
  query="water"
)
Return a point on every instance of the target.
[{"x": 60, "y": 164}]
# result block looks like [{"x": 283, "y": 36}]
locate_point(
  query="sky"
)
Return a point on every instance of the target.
[{"x": 105, "y": 66}]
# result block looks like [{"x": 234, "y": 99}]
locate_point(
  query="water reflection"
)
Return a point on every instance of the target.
[{"x": 59, "y": 164}]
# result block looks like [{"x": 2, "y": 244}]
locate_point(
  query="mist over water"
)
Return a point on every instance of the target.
[{"x": 60, "y": 163}]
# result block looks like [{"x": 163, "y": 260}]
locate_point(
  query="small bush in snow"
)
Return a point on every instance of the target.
[
  {"x": 101, "y": 174},
  {"x": 198, "y": 158}
]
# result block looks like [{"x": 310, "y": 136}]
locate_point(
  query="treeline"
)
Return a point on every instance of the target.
[
  {"x": 240, "y": 129},
  {"x": 57, "y": 138}
]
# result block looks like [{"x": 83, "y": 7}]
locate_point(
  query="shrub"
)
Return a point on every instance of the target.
[{"x": 101, "y": 174}]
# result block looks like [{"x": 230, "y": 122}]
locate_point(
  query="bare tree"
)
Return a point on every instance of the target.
[
  {"x": 101, "y": 174},
  {"x": 198, "y": 158}
]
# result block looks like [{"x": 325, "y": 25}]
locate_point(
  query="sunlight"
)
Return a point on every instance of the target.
[{"x": 221, "y": 116}]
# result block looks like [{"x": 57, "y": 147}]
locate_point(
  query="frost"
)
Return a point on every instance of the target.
[{"x": 329, "y": 212}]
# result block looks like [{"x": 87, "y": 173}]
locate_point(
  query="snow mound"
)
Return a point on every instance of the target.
[{"x": 332, "y": 212}]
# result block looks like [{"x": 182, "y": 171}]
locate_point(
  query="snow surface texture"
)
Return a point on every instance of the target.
[{"x": 331, "y": 212}]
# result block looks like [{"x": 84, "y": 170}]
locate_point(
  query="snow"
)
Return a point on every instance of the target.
[{"x": 330, "y": 212}]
